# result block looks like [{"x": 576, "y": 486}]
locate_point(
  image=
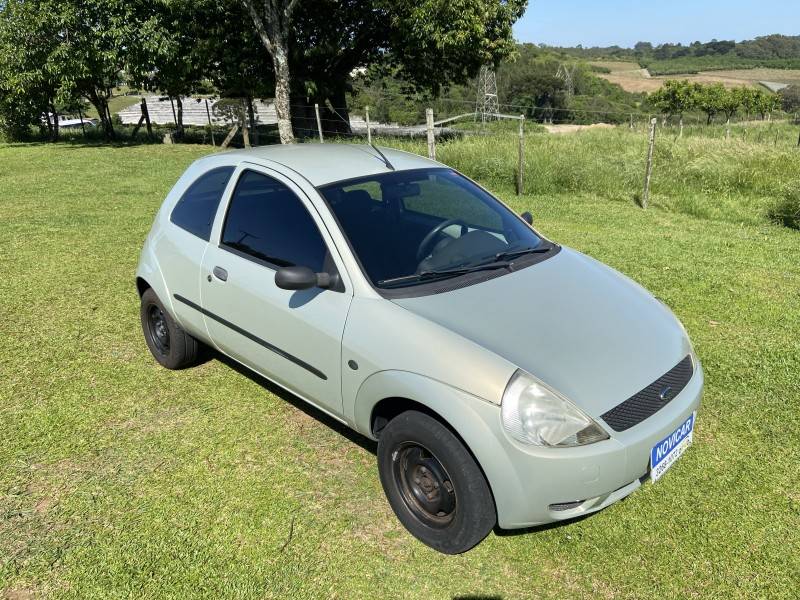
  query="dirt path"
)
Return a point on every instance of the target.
[{"x": 568, "y": 128}]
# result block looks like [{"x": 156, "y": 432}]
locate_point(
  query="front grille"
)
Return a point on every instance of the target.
[{"x": 651, "y": 399}]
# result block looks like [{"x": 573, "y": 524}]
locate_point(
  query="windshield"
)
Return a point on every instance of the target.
[{"x": 408, "y": 227}]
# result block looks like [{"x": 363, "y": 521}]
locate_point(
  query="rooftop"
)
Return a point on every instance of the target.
[{"x": 326, "y": 163}]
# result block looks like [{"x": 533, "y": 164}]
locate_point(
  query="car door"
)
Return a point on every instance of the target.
[{"x": 292, "y": 337}]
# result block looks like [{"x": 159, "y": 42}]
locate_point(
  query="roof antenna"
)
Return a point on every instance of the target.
[{"x": 383, "y": 156}]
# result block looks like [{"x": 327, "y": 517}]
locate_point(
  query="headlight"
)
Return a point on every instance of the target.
[{"x": 535, "y": 414}]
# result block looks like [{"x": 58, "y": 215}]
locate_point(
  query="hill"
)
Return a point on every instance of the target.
[{"x": 770, "y": 51}]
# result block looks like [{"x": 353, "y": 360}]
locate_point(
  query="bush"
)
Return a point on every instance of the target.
[{"x": 786, "y": 211}]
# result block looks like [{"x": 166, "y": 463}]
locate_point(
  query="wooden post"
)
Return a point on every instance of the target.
[
  {"x": 369, "y": 133},
  {"x": 649, "y": 171},
  {"x": 245, "y": 128},
  {"x": 431, "y": 138},
  {"x": 319, "y": 124},
  {"x": 728, "y": 129},
  {"x": 210, "y": 125},
  {"x": 229, "y": 137},
  {"x": 138, "y": 125},
  {"x": 631, "y": 120},
  {"x": 146, "y": 113},
  {"x": 521, "y": 155}
]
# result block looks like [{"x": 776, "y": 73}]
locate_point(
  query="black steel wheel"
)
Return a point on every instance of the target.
[
  {"x": 424, "y": 484},
  {"x": 157, "y": 326},
  {"x": 434, "y": 485},
  {"x": 169, "y": 344}
]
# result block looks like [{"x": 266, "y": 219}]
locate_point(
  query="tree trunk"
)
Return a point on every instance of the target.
[
  {"x": 340, "y": 115},
  {"x": 101, "y": 106},
  {"x": 273, "y": 29},
  {"x": 680, "y": 126},
  {"x": 179, "y": 118},
  {"x": 55, "y": 122},
  {"x": 304, "y": 122},
  {"x": 280, "y": 62},
  {"x": 728, "y": 129},
  {"x": 47, "y": 114},
  {"x": 251, "y": 114}
]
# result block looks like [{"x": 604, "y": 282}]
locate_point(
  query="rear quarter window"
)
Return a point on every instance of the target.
[{"x": 196, "y": 209}]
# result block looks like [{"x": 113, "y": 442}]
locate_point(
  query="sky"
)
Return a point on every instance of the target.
[{"x": 625, "y": 22}]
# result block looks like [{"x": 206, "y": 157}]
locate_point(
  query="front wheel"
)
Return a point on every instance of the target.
[{"x": 433, "y": 483}]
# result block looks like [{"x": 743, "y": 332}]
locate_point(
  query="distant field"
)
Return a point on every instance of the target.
[{"x": 632, "y": 78}]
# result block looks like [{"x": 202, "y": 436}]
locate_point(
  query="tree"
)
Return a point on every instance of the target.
[
  {"x": 675, "y": 98},
  {"x": 765, "y": 103},
  {"x": 172, "y": 59},
  {"x": 729, "y": 104},
  {"x": 30, "y": 86},
  {"x": 710, "y": 99},
  {"x": 790, "y": 98}
]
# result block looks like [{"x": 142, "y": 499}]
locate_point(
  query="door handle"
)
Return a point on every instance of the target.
[{"x": 220, "y": 273}]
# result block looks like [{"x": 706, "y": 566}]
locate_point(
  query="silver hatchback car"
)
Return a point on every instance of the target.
[{"x": 507, "y": 380}]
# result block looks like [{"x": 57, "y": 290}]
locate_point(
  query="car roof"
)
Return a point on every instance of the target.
[{"x": 326, "y": 163}]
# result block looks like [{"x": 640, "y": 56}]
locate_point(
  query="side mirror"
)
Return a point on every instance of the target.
[
  {"x": 301, "y": 278},
  {"x": 527, "y": 217}
]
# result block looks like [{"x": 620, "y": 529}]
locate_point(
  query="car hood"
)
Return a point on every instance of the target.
[{"x": 576, "y": 324}]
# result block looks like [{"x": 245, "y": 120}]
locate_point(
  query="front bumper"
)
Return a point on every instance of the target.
[{"x": 563, "y": 483}]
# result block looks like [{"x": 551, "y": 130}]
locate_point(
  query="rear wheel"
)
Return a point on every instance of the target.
[
  {"x": 169, "y": 344},
  {"x": 433, "y": 483}
]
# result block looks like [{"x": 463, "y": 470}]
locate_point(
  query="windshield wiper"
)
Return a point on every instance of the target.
[
  {"x": 505, "y": 255},
  {"x": 445, "y": 273}
]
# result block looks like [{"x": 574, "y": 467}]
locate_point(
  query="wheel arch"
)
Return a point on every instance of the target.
[
  {"x": 473, "y": 420},
  {"x": 142, "y": 286}
]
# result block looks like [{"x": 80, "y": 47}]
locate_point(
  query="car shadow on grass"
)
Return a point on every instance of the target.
[{"x": 340, "y": 428}]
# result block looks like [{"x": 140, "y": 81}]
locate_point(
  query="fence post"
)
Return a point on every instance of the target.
[
  {"x": 431, "y": 138},
  {"x": 369, "y": 133},
  {"x": 649, "y": 171},
  {"x": 521, "y": 154},
  {"x": 210, "y": 126},
  {"x": 319, "y": 123},
  {"x": 631, "y": 120}
]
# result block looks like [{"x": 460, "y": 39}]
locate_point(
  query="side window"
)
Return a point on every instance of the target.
[
  {"x": 196, "y": 209},
  {"x": 267, "y": 221}
]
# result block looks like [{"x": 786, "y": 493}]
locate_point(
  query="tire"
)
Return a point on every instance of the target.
[
  {"x": 433, "y": 483},
  {"x": 169, "y": 344}
]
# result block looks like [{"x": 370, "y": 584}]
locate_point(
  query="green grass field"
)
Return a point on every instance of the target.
[{"x": 121, "y": 479}]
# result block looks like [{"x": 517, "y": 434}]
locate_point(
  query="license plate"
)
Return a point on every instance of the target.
[{"x": 667, "y": 451}]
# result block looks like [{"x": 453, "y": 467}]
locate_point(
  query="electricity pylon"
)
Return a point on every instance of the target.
[
  {"x": 486, "y": 104},
  {"x": 566, "y": 73}
]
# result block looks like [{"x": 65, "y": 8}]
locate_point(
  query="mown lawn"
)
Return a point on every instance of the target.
[{"x": 121, "y": 479}]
